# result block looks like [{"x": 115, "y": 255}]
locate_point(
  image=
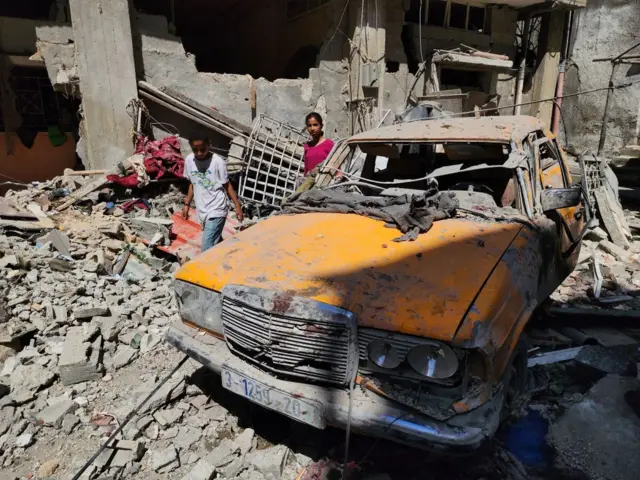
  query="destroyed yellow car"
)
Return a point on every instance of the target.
[{"x": 393, "y": 295}]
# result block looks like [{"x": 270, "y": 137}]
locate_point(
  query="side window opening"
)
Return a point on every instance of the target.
[{"x": 551, "y": 168}]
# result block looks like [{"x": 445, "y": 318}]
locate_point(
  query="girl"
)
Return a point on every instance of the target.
[{"x": 316, "y": 150}]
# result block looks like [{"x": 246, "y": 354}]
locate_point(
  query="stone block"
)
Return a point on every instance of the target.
[
  {"x": 53, "y": 415},
  {"x": 202, "y": 470},
  {"x": 80, "y": 359},
  {"x": 88, "y": 313}
]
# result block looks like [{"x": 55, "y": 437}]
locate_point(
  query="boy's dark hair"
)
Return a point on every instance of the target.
[{"x": 199, "y": 137}]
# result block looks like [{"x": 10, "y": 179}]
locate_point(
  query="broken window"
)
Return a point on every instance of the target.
[
  {"x": 445, "y": 13},
  {"x": 458, "y": 15},
  {"x": 467, "y": 80},
  {"x": 38, "y": 105},
  {"x": 474, "y": 168},
  {"x": 531, "y": 50},
  {"x": 297, "y": 8},
  {"x": 476, "y": 21},
  {"x": 436, "y": 12},
  {"x": 551, "y": 168}
]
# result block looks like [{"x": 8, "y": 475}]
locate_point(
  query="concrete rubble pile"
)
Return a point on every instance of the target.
[
  {"x": 607, "y": 276},
  {"x": 81, "y": 344}
]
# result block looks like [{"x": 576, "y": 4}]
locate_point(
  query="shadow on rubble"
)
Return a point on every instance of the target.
[{"x": 372, "y": 456}]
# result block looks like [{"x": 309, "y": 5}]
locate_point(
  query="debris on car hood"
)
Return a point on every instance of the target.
[{"x": 411, "y": 214}]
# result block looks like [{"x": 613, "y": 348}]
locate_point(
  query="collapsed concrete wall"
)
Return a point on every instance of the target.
[
  {"x": 55, "y": 45},
  {"x": 606, "y": 28},
  {"x": 165, "y": 63}
]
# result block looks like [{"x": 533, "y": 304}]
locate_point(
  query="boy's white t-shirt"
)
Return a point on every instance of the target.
[{"x": 208, "y": 178}]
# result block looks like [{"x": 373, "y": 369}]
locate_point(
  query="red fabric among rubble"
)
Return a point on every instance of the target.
[{"x": 161, "y": 157}]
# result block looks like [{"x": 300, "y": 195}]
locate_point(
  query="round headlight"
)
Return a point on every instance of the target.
[
  {"x": 433, "y": 361},
  {"x": 383, "y": 354}
]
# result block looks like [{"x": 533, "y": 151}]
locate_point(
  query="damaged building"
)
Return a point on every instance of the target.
[{"x": 360, "y": 64}]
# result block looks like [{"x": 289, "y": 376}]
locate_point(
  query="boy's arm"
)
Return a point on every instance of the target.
[
  {"x": 234, "y": 198},
  {"x": 187, "y": 202}
]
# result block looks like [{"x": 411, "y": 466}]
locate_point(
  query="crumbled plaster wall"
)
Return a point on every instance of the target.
[
  {"x": 55, "y": 45},
  {"x": 605, "y": 28},
  {"x": 165, "y": 63}
]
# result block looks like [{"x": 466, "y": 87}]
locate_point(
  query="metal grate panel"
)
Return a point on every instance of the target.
[
  {"x": 592, "y": 178},
  {"x": 274, "y": 159}
]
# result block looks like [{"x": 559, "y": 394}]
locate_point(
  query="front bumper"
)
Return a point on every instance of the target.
[{"x": 371, "y": 414}]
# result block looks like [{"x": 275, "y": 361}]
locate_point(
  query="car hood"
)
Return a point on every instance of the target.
[{"x": 424, "y": 287}]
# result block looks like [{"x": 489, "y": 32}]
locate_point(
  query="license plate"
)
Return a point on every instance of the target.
[{"x": 299, "y": 409}]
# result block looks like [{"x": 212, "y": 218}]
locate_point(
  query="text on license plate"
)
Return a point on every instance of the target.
[{"x": 296, "y": 408}]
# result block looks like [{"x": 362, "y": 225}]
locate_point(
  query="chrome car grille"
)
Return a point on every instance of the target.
[{"x": 321, "y": 349}]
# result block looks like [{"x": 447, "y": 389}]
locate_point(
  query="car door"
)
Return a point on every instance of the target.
[{"x": 553, "y": 172}]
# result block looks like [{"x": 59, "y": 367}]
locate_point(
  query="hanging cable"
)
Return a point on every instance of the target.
[
  {"x": 352, "y": 383},
  {"x": 420, "y": 30},
  {"x": 337, "y": 29}
]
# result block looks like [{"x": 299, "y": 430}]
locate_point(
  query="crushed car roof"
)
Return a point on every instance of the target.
[{"x": 483, "y": 129}]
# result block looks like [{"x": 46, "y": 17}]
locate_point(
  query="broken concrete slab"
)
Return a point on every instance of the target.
[
  {"x": 53, "y": 415},
  {"x": 110, "y": 327},
  {"x": 148, "y": 342},
  {"x": 136, "y": 448},
  {"x": 161, "y": 461},
  {"x": 59, "y": 241},
  {"x": 81, "y": 357},
  {"x": 618, "y": 252},
  {"x": 612, "y": 360},
  {"x": 224, "y": 453},
  {"x": 202, "y": 470},
  {"x": 170, "y": 391},
  {"x": 88, "y": 313},
  {"x": 69, "y": 423},
  {"x": 60, "y": 314},
  {"x": 24, "y": 440},
  {"x": 612, "y": 216},
  {"x": 244, "y": 441},
  {"x": 582, "y": 442},
  {"x": 123, "y": 357},
  {"x": 270, "y": 461},
  {"x": 187, "y": 436},
  {"x": 30, "y": 378},
  {"x": 168, "y": 417}
]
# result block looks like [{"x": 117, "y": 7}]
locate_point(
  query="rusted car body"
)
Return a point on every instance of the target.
[{"x": 311, "y": 314}]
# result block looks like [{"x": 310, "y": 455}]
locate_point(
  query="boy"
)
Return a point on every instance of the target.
[{"x": 207, "y": 173}]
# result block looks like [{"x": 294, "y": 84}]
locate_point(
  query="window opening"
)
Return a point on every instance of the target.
[
  {"x": 448, "y": 14},
  {"x": 476, "y": 19},
  {"x": 38, "y": 104},
  {"x": 458, "y": 16},
  {"x": 465, "y": 79},
  {"x": 436, "y": 12}
]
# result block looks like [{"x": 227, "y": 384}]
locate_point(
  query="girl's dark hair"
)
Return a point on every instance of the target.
[{"x": 315, "y": 115}]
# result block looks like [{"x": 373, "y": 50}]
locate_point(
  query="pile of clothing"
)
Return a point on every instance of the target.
[{"x": 151, "y": 160}]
